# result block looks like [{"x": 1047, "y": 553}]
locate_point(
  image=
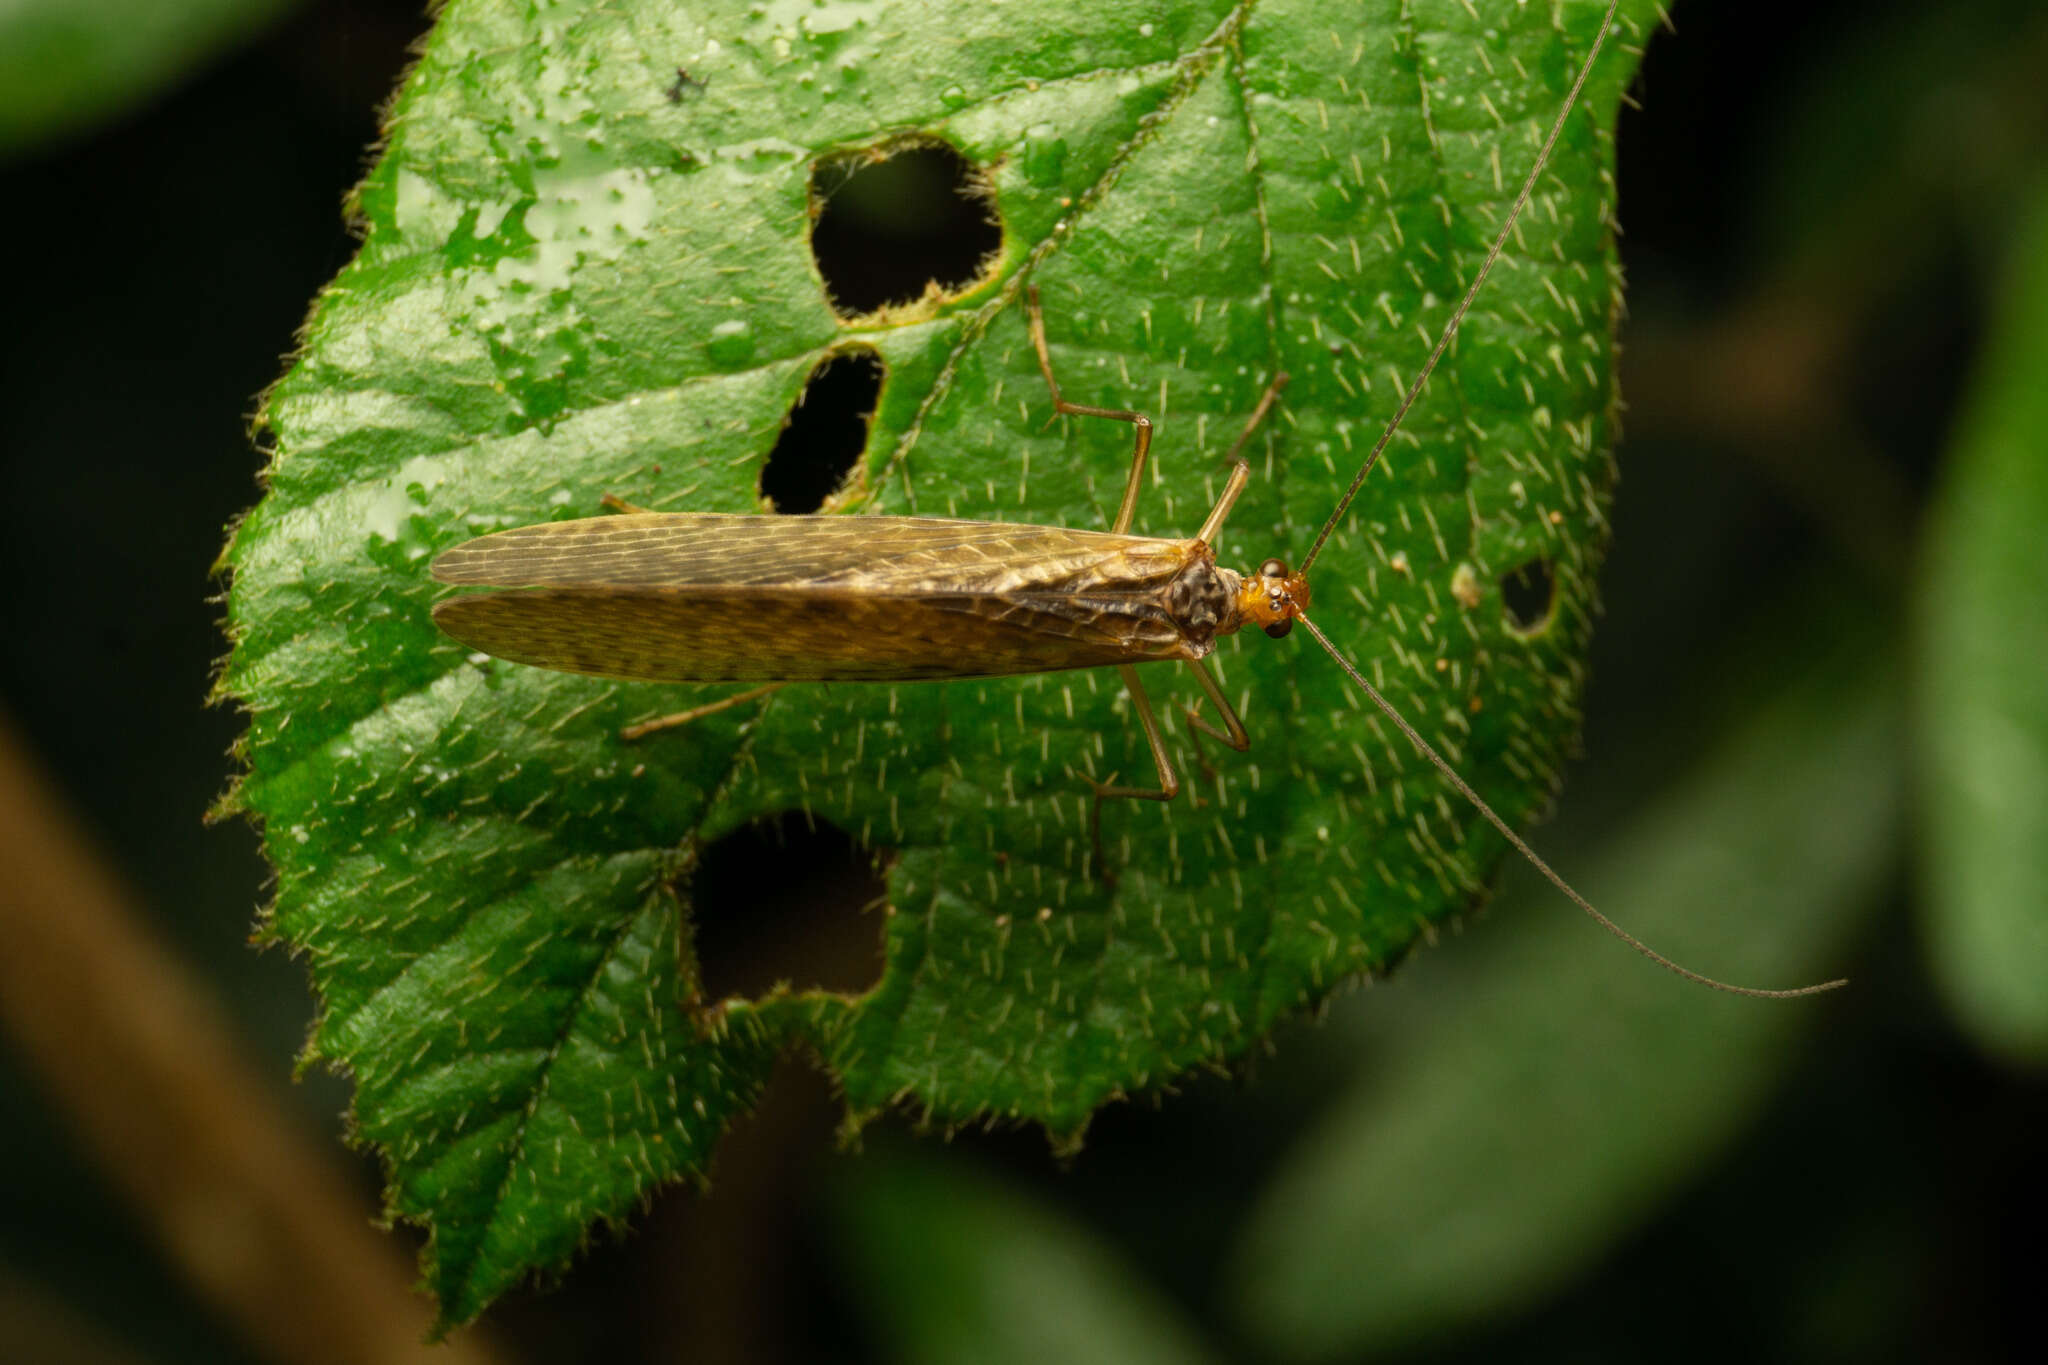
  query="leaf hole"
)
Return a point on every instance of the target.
[
  {"x": 789, "y": 900},
  {"x": 825, "y": 431},
  {"x": 1528, "y": 595},
  {"x": 901, "y": 224}
]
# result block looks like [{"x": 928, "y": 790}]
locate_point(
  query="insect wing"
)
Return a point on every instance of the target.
[
  {"x": 713, "y": 598},
  {"x": 711, "y": 550}
]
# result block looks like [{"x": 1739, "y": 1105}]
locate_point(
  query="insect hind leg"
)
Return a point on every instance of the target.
[
  {"x": 1035, "y": 317},
  {"x": 710, "y": 708}
]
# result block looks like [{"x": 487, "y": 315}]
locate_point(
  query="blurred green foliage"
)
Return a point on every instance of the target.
[
  {"x": 1822, "y": 208},
  {"x": 1983, "y": 663},
  {"x": 959, "y": 1269},
  {"x": 68, "y": 64}
]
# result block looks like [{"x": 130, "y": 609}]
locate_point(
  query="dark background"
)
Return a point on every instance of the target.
[{"x": 1809, "y": 283}]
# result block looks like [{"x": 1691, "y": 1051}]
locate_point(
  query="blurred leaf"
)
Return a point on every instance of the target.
[
  {"x": 1983, "y": 682},
  {"x": 64, "y": 63},
  {"x": 957, "y": 1268},
  {"x": 1541, "y": 1109},
  {"x": 579, "y": 277},
  {"x": 1919, "y": 123}
]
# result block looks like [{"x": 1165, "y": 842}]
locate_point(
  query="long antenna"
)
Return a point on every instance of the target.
[
  {"x": 1443, "y": 342},
  {"x": 1423, "y": 747}
]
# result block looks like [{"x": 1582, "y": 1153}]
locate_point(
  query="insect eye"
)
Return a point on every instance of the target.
[
  {"x": 1280, "y": 628},
  {"x": 1273, "y": 568}
]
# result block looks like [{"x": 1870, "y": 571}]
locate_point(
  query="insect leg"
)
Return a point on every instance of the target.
[
  {"x": 1169, "y": 782},
  {"x": 1240, "y": 468},
  {"x": 712, "y": 708},
  {"x": 611, "y": 502},
  {"x": 1232, "y": 734},
  {"x": 1036, "y": 319}
]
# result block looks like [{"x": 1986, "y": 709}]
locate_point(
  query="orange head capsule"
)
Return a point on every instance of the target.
[{"x": 1271, "y": 598}]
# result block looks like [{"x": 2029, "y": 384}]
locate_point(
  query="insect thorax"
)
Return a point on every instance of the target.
[{"x": 1201, "y": 601}]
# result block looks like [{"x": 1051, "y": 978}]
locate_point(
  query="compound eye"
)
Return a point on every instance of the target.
[
  {"x": 1273, "y": 568},
  {"x": 1279, "y": 629}
]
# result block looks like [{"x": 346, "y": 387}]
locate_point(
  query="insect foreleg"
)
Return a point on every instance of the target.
[
  {"x": 710, "y": 708},
  {"x": 1036, "y": 320}
]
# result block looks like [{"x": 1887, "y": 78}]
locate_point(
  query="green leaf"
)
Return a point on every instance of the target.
[
  {"x": 64, "y": 63},
  {"x": 957, "y": 1268},
  {"x": 1983, "y": 695},
  {"x": 574, "y": 284},
  {"x": 1521, "y": 1116}
]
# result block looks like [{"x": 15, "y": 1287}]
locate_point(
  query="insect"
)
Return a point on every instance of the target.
[
  {"x": 774, "y": 600},
  {"x": 685, "y": 84}
]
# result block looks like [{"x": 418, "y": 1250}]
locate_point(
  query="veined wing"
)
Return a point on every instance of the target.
[
  {"x": 855, "y": 553},
  {"x": 710, "y": 598}
]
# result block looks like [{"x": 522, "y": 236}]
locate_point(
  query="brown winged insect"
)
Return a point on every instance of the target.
[{"x": 683, "y": 597}]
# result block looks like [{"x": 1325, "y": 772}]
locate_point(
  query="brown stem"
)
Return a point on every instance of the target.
[{"x": 142, "y": 1066}]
